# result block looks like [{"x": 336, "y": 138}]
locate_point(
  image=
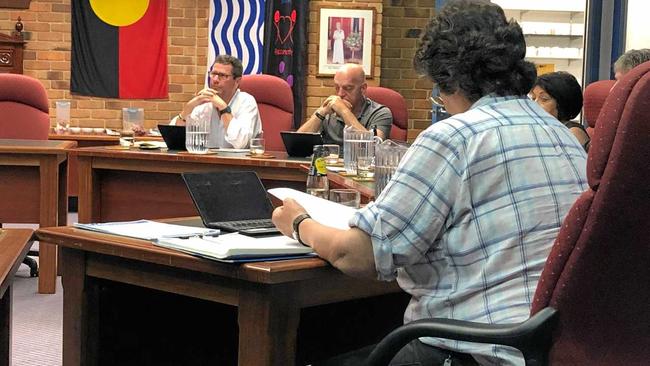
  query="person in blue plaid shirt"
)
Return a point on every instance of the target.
[{"x": 467, "y": 221}]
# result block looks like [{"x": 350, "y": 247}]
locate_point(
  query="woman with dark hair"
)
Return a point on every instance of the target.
[
  {"x": 561, "y": 96},
  {"x": 468, "y": 219}
]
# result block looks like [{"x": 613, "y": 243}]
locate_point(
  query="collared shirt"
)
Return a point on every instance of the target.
[
  {"x": 245, "y": 123},
  {"x": 468, "y": 219},
  {"x": 372, "y": 115}
]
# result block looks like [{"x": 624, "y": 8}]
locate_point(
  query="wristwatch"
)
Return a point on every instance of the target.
[
  {"x": 225, "y": 110},
  {"x": 319, "y": 116},
  {"x": 296, "y": 225}
]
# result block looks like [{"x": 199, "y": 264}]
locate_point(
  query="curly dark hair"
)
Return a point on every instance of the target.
[
  {"x": 566, "y": 91},
  {"x": 470, "y": 46}
]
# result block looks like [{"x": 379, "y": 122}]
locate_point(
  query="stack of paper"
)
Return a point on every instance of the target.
[
  {"x": 236, "y": 246},
  {"x": 325, "y": 212},
  {"x": 147, "y": 230}
]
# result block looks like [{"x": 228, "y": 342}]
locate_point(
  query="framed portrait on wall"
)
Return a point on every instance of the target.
[{"x": 346, "y": 36}]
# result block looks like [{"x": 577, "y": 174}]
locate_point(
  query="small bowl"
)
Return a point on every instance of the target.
[
  {"x": 86, "y": 129},
  {"x": 99, "y": 130},
  {"x": 75, "y": 129}
]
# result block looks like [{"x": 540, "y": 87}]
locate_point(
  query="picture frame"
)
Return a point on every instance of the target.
[{"x": 346, "y": 35}]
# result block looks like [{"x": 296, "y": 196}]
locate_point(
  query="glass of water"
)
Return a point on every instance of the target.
[
  {"x": 332, "y": 157},
  {"x": 347, "y": 197},
  {"x": 257, "y": 146},
  {"x": 365, "y": 166},
  {"x": 197, "y": 130}
]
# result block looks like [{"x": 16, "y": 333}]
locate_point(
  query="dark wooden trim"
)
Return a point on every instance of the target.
[{"x": 15, "y": 4}]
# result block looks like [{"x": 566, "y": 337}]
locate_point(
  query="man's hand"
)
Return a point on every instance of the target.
[
  {"x": 340, "y": 106},
  {"x": 284, "y": 215}
]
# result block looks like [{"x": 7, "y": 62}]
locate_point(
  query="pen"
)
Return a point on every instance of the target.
[{"x": 187, "y": 236}]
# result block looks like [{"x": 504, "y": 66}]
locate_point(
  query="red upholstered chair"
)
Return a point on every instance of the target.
[
  {"x": 24, "y": 114},
  {"x": 275, "y": 102},
  {"x": 397, "y": 105},
  {"x": 594, "y": 98},
  {"x": 24, "y": 108},
  {"x": 594, "y": 286}
]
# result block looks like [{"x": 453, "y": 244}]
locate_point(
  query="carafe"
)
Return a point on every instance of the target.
[
  {"x": 357, "y": 143},
  {"x": 387, "y": 157}
]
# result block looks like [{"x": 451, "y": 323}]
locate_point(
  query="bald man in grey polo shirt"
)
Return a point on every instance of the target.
[{"x": 349, "y": 107}]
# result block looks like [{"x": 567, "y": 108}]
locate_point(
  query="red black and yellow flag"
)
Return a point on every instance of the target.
[{"x": 119, "y": 48}]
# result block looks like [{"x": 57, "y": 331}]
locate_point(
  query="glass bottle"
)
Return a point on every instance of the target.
[{"x": 317, "y": 184}]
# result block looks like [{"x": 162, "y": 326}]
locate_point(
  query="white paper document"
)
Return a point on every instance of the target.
[
  {"x": 235, "y": 245},
  {"x": 147, "y": 230},
  {"x": 326, "y": 212}
]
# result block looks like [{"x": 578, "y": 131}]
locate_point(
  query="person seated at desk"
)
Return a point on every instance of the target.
[
  {"x": 561, "y": 96},
  {"x": 468, "y": 219},
  {"x": 233, "y": 114},
  {"x": 349, "y": 107}
]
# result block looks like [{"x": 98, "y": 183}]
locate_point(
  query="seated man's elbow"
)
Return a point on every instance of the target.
[{"x": 355, "y": 263}]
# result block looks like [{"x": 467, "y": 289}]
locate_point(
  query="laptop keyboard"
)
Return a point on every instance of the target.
[{"x": 245, "y": 224}]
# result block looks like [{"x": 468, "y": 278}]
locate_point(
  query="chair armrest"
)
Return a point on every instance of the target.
[{"x": 532, "y": 337}]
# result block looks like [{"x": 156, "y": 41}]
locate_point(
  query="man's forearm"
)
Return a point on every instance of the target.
[
  {"x": 351, "y": 120},
  {"x": 348, "y": 250},
  {"x": 312, "y": 124}
]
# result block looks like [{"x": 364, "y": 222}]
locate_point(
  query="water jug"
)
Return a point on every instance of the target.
[
  {"x": 357, "y": 143},
  {"x": 387, "y": 157},
  {"x": 197, "y": 130}
]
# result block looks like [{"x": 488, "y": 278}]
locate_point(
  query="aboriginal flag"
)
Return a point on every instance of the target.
[{"x": 119, "y": 48}]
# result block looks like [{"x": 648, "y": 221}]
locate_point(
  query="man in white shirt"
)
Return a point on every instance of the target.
[{"x": 233, "y": 114}]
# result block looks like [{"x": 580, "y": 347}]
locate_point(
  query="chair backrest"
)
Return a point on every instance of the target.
[
  {"x": 275, "y": 103},
  {"x": 597, "y": 273},
  {"x": 594, "y": 98},
  {"x": 24, "y": 108},
  {"x": 397, "y": 105}
]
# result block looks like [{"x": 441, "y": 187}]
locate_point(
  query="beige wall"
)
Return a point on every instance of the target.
[{"x": 47, "y": 57}]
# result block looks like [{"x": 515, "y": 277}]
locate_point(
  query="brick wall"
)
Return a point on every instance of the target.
[
  {"x": 403, "y": 20},
  {"x": 47, "y": 57}
]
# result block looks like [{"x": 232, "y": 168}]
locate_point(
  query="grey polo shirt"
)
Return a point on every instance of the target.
[{"x": 372, "y": 115}]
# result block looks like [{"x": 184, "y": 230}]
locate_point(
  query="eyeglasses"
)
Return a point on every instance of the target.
[
  {"x": 220, "y": 76},
  {"x": 437, "y": 101},
  {"x": 539, "y": 98}
]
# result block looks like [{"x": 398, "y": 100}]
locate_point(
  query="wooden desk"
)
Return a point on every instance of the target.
[
  {"x": 268, "y": 297},
  {"x": 14, "y": 245},
  {"x": 33, "y": 190},
  {"x": 116, "y": 185},
  {"x": 85, "y": 140}
]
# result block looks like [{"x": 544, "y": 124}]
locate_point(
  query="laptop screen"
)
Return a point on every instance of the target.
[
  {"x": 228, "y": 196},
  {"x": 174, "y": 136},
  {"x": 300, "y": 144}
]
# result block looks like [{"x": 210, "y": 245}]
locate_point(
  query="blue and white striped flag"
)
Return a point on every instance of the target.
[{"x": 237, "y": 29}]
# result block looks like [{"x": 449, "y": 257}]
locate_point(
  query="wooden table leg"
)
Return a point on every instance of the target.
[
  {"x": 268, "y": 323},
  {"x": 49, "y": 216},
  {"x": 75, "y": 308},
  {"x": 5, "y": 327}
]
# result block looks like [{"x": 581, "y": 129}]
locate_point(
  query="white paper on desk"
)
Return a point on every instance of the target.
[
  {"x": 146, "y": 229},
  {"x": 235, "y": 245},
  {"x": 326, "y": 212}
]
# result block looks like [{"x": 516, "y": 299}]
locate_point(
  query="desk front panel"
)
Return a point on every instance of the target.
[{"x": 117, "y": 185}]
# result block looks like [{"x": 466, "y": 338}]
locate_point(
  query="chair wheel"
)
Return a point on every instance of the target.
[{"x": 33, "y": 272}]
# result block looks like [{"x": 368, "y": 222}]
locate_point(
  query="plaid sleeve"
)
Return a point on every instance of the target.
[{"x": 409, "y": 215}]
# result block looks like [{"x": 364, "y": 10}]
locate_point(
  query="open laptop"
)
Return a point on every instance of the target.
[
  {"x": 231, "y": 201},
  {"x": 300, "y": 144},
  {"x": 174, "y": 136}
]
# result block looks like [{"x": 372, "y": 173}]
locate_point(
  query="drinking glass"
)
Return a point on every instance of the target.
[
  {"x": 365, "y": 167},
  {"x": 333, "y": 157},
  {"x": 257, "y": 146},
  {"x": 62, "y": 116},
  {"x": 127, "y": 138},
  {"x": 347, "y": 197}
]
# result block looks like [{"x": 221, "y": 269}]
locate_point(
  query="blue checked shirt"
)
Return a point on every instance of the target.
[{"x": 470, "y": 215}]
